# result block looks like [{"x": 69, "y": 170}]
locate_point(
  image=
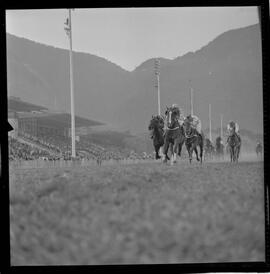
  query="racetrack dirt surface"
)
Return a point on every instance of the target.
[{"x": 138, "y": 213}]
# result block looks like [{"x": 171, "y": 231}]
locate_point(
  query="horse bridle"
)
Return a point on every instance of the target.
[
  {"x": 191, "y": 135},
  {"x": 175, "y": 128},
  {"x": 235, "y": 137}
]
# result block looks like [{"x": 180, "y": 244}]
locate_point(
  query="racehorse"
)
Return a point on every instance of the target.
[
  {"x": 219, "y": 147},
  {"x": 259, "y": 149},
  {"x": 234, "y": 145},
  {"x": 209, "y": 149},
  {"x": 156, "y": 126},
  {"x": 193, "y": 140},
  {"x": 174, "y": 134}
]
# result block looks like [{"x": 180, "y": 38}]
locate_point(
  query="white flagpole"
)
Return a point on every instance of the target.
[
  {"x": 158, "y": 95},
  {"x": 221, "y": 126},
  {"x": 73, "y": 149},
  {"x": 210, "y": 126},
  {"x": 157, "y": 67},
  {"x": 191, "y": 99}
]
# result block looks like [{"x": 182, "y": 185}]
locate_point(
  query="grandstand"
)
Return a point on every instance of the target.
[
  {"x": 41, "y": 133},
  {"x": 38, "y": 121}
]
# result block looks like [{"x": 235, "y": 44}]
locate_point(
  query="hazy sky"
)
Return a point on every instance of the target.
[{"x": 129, "y": 37}]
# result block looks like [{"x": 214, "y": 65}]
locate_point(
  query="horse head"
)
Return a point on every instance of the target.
[{"x": 171, "y": 118}]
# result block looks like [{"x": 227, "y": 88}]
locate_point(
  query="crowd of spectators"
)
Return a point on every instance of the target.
[
  {"x": 24, "y": 151},
  {"x": 53, "y": 147}
]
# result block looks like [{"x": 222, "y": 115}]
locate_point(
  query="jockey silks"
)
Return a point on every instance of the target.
[{"x": 195, "y": 123}]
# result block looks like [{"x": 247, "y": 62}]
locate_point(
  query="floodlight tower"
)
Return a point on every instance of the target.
[
  {"x": 191, "y": 98},
  {"x": 221, "y": 126},
  {"x": 157, "y": 73},
  {"x": 210, "y": 124},
  {"x": 68, "y": 30}
]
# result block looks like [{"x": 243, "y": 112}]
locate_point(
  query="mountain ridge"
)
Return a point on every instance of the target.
[{"x": 226, "y": 73}]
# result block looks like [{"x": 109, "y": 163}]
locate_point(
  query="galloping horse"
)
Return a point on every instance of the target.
[
  {"x": 156, "y": 126},
  {"x": 174, "y": 134},
  {"x": 219, "y": 147},
  {"x": 193, "y": 140},
  {"x": 209, "y": 149},
  {"x": 234, "y": 144},
  {"x": 259, "y": 149}
]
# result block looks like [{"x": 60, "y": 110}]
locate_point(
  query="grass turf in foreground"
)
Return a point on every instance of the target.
[{"x": 138, "y": 213}]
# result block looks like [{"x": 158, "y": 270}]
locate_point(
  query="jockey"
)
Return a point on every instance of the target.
[
  {"x": 161, "y": 124},
  {"x": 233, "y": 127},
  {"x": 195, "y": 123}
]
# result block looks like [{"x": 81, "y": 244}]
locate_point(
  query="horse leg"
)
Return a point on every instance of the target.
[
  {"x": 235, "y": 154},
  {"x": 190, "y": 155},
  {"x": 190, "y": 152},
  {"x": 173, "y": 158},
  {"x": 196, "y": 152},
  {"x": 201, "y": 152},
  {"x": 157, "y": 152},
  {"x": 175, "y": 151},
  {"x": 167, "y": 157},
  {"x": 238, "y": 153},
  {"x": 165, "y": 151},
  {"x": 180, "y": 148},
  {"x": 171, "y": 149}
]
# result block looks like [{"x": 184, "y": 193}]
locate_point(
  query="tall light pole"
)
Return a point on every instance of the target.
[
  {"x": 157, "y": 72},
  {"x": 210, "y": 124},
  {"x": 68, "y": 30},
  {"x": 221, "y": 126},
  {"x": 191, "y": 98}
]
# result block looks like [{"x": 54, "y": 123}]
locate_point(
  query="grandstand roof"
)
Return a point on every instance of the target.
[
  {"x": 48, "y": 118},
  {"x": 63, "y": 120},
  {"x": 15, "y": 104}
]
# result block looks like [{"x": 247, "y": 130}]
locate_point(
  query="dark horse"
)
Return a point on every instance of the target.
[
  {"x": 174, "y": 135},
  {"x": 259, "y": 149},
  {"x": 219, "y": 147},
  {"x": 193, "y": 140},
  {"x": 156, "y": 126},
  {"x": 234, "y": 144},
  {"x": 209, "y": 149}
]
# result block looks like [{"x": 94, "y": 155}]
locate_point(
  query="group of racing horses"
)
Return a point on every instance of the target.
[{"x": 168, "y": 132}]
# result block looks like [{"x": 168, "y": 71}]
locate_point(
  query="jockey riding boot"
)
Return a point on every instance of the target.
[{"x": 198, "y": 133}]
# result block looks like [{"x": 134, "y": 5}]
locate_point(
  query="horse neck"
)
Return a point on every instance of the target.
[
  {"x": 233, "y": 138},
  {"x": 174, "y": 124},
  {"x": 191, "y": 131}
]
